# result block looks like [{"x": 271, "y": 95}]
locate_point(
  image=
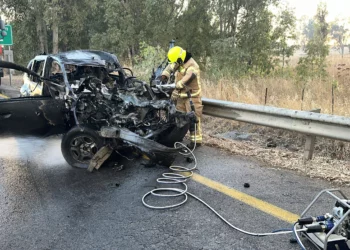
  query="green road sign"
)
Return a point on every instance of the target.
[{"x": 7, "y": 40}]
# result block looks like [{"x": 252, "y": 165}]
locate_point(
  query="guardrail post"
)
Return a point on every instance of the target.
[{"x": 310, "y": 142}]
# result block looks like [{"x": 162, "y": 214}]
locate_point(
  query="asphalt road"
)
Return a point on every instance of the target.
[{"x": 46, "y": 204}]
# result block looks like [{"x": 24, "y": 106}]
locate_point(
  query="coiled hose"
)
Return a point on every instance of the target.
[{"x": 180, "y": 175}]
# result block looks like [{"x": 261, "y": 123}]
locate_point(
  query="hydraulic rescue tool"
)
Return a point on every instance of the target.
[
  {"x": 193, "y": 110},
  {"x": 330, "y": 231},
  {"x": 164, "y": 88}
]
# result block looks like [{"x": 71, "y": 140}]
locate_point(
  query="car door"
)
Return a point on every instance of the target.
[
  {"x": 39, "y": 115},
  {"x": 34, "y": 116},
  {"x": 31, "y": 86}
]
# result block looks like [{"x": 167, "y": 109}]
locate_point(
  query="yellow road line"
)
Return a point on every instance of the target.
[
  {"x": 4, "y": 96},
  {"x": 247, "y": 199}
]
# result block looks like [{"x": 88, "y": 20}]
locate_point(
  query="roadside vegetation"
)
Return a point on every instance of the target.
[{"x": 252, "y": 51}]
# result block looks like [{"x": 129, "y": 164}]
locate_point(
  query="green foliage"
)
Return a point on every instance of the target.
[
  {"x": 33, "y": 21},
  {"x": 227, "y": 59},
  {"x": 227, "y": 37},
  {"x": 335, "y": 84},
  {"x": 128, "y": 23},
  {"x": 339, "y": 34},
  {"x": 309, "y": 29},
  {"x": 282, "y": 34},
  {"x": 254, "y": 40},
  {"x": 314, "y": 64},
  {"x": 194, "y": 37},
  {"x": 22, "y": 27},
  {"x": 24, "y": 50},
  {"x": 149, "y": 58},
  {"x": 251, "y": 44}
]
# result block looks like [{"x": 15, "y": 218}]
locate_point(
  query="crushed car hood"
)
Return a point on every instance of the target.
[{"x": 88, "y": 58}]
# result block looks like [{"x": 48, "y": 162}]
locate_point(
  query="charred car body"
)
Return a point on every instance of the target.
[{"x": 89, "y": 97}]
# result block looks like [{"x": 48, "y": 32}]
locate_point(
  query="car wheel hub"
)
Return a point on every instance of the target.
[{"x": 83, "y": 148}]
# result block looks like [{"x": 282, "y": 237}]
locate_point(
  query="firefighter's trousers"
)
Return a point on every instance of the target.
[{"x": 183, "y": 104}]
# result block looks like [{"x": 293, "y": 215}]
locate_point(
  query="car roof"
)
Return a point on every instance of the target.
[{"x": 85, "y": 58}]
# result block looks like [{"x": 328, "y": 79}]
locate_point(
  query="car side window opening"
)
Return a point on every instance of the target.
[
  {"x": 35, "y": 87},
  {"x": 55, "y": 71},
  {"x": 55, "y": 68},
  {"x": 29, "y": 66},
  {"x": 38, "y": 67},
  {"x": 86, "y": 71},
  {"x": 70, "y": 68}
]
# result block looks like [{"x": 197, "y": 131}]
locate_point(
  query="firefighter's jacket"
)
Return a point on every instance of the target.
[{"x": 184, "y": 74}]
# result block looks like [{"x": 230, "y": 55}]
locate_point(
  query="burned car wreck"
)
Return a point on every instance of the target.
[{"x": 98, "y": 107}]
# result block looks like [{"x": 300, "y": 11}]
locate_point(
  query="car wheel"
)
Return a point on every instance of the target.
[
  {"x": 173, "y": 135},
  {"x": 79, "y": 145}
]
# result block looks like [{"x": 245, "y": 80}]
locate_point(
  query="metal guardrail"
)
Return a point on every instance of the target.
[{"x": 309, "y": 123}]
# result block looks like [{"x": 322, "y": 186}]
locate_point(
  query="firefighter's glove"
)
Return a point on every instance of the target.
[
  {"x": 164, "y": 79},
  {"x": 179, "y": 85},
  {"x": 175, "y": 95}
]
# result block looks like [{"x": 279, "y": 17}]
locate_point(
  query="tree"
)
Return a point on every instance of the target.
[
  {"x": 339, "y": 34},
  {"x": 245, "y": 41},
  {"x": 50, "y": 26},
  {"x": 228, "y": 16},
  {"x": 24, "y": 26},
  {"x": 283, "y": 34},
  {"x": 162, "y": 18},
  {"x": 130, "y": 22},
  {"x": 41, "y": 29},
  {"x": 193, "y": 29},
  {"x": 235, "y": 36},
  {"x": 70, "y": 23},
  {"x": 254, "y": 39},
  {"x": 309, "y": 29},
  {"x": 54, "y": 10},
  {"x": 317, "y": 49}
]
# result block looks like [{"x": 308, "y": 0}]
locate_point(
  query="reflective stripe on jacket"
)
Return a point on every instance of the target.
[{"x": 184, "y": 74}]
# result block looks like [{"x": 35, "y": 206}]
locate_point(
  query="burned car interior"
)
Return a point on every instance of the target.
[{"x": 97, "y": 105}]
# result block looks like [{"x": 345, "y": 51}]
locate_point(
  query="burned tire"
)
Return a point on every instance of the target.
[
  {"x": 173, "y": 135},
  {"x": 79, "y": 145}
]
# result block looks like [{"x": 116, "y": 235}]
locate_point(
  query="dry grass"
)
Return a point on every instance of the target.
[
  {"x": 286, "y": 92},
  {"x": 252, "y": 91},
  {"x": 331, "y": 158},
  {"x": 337, "y": 171}
]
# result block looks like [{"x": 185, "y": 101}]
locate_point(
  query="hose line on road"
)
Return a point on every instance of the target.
[
  {"x": 297, "y": 236},
  {"x": 180, "y": 175}
]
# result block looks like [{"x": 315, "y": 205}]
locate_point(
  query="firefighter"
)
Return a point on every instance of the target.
[{"x": 187, "y": 78}]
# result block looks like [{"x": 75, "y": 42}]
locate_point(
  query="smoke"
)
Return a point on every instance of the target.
[{"x": 36, "y": 150}]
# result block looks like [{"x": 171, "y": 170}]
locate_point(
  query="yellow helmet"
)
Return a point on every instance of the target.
[{"x": 176, "y": 53}]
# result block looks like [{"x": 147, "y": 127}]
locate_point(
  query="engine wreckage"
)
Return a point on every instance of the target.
[{"x": 104, "y": 110}]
